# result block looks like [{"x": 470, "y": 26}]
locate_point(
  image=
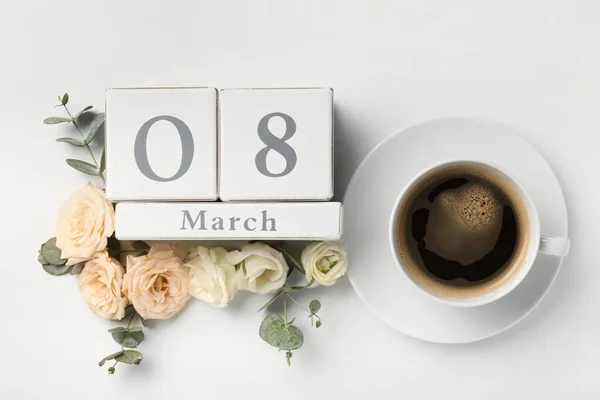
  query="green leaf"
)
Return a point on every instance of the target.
[
  {"x": 95, "y": 124},
  {"x": 83, "y": 166},
  {"x": 97, "y": 121},
  {"x": 291, "y": 260},
  {"x": 314, "y": 306},
  {"x": 114, "y": 247},
  {"x": 77, "y": 268},
  {"x": 57, "y": 120},
  {"x": 277, "y": 333},
  {"x": 268, "y": 303},
  {"x": 110, "y": 357},
  {"x": 130, "y": 357},
  {"x": 131, "y": 337},
  {"x": 103, "y": 160},
  {"x": 56, "y": 269},
  {"x": 65, "y": 99},
  {"x": 41, "y": 258},
  {"x": 140, "y": 245},
  {"x": 82, "y": 111},
  {"x": 72, "y": 141},
  {"x": 319, "y": 323},
  {"x": 129, "y": 310},
  {"x": 51, "y": 253}
]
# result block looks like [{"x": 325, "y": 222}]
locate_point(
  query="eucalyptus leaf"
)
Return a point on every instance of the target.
[
  {"x": 127, "y": 337},
  {"x": 292, "y": 338},
  {"x": 56, "y": 269},
  {"x": 103, "y": 160},
  {"x": 41, "y": 259},
  {"x": 130, "y": 357},
  {"x": 271, "y": 328},
  {"x": 95, "y": 124},
  {"x": 314, "y": 306},
  {"x": 318, "y": 324},
  {"x": 277, "y": 333},
  {"x": 65, "y": 99},
  {"x": 83, "y": 166},
  {"x": 77, "y": 268},
  {"x": 72, "y": 141},
  {"x": 291, "y": 260},
  {"x": 268, "y": 303},
  {"x": 56, "y": 120},
  {"x": 110, "y": 357},
  {"x": 129, "y": 310},
  {"x": 114, "y": 247},
  {"x": 82, "y": 111},
  {"x": 51, "y": 253}
]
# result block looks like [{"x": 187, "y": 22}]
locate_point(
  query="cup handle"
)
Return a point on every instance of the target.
[{"x": 554, "y": 245}]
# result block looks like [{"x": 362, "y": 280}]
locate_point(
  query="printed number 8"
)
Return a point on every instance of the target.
[{"x": 277, "y": 144}]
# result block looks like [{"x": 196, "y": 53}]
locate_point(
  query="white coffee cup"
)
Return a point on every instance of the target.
[{"x": 538, "y": 243}]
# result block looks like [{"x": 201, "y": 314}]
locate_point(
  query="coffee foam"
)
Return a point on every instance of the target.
[
  {"x": 416, "y": 198},
  {"x": 464, "y": 222}
]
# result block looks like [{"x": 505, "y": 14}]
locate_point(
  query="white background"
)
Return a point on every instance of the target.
[{"x": 532, "y": 64}]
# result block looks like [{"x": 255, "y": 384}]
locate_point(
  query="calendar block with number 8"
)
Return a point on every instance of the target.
[{"x": 276, "y": 144}]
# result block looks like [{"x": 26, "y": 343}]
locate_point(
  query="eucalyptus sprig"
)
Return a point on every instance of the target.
[
  {"x": 49, "y": 257},
  {"x": 129, "y": 338},
  {"x": 96, "y": 122},
  {"x": 280, "y": 332}
]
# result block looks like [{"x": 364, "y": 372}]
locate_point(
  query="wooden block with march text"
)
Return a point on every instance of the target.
[{"x": 197, "y": 221}]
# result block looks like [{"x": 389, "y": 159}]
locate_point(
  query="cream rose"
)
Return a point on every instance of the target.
[
  {"x": 85, "y": 222},
  {"x": 100, "y": 284},
  {"x": 325, "y": 262},
  {"x": 157, "y": 284},
  {"x": 212, "y": 278},
  {"x": 264, "y": 269}
]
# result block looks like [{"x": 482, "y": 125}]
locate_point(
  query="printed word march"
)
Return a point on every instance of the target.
[{"x": 217, "y": 223}]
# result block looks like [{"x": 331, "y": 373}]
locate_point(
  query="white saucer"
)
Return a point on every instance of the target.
[{"x": 368, "y": 206}]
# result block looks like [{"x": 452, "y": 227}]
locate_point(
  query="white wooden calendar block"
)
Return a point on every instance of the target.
[
  {"x": 223, "y": 221},
  {"x": 276, "y": 144},
  {"x": 161, "y": 144}
]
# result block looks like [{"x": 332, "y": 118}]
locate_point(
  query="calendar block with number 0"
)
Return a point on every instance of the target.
[
  {"x": 161, "y": 144},
  {"x": 276, "y": 144}
]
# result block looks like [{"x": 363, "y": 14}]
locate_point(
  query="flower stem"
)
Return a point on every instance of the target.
[
  {"x": 298, "y": 304},
  {"x": 285, "y": 309},
  {"x": 128, "y": 326},
  {"x": 87, "y": 145}
]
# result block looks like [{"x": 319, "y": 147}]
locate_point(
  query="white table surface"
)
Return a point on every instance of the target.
[{"x": 531, "y": 64}]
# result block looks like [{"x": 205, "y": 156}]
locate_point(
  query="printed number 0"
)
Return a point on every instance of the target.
[
  {"x": 140, "y": 148},
  {"x": 277, "y": 144}
]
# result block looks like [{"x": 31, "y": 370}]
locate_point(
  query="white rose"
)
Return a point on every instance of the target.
[
  {"x": 85, "y": 222},
  {"x": 325, "y": 262},
  {"x": 264, "y": 269},
  {"x": 212, "y": 278}
]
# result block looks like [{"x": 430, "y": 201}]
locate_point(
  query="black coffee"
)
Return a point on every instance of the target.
[
  {"x": 462, "y": 230},
  {"x": 481, "y": 269}
]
